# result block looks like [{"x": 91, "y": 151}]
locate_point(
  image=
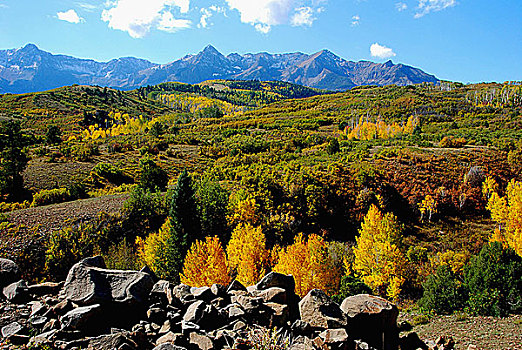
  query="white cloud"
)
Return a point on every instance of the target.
[
  {"x": 356, "y": 20},
  {"x": 69, "y": 16},
  {"x": 207, "y": 13},
  {"x": 401, "y": 6},
  {"x": 87, "y": 7},
  {"x": 138, "y": 17},
  {"x": 303, "y": 16},
  {"x": 263, "y": 14},
  {"x": 427, "y": 6},
  {"x": 381, "y": 51}
]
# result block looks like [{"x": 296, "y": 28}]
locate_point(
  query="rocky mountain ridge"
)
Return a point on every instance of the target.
[{"x": 30, "y": 69}]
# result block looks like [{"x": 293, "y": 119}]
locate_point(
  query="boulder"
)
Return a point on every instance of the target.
[
  {"x": 161, "y": 293},
  {"x": 320, "y": 311},
  {"x": 203, "y": 315},
  {"x": 276, "y": 279},
  {"x": 169, "y": 337},
  {"x": 412, "y": 341},
  {"x": 335, "y": 338},
  {"x": 45, "y": 288},
  {"x": 203, "y": 293},
  {"x": 11, "y": 329},
  {"x": 373, "y": 320},
  {"x": 81, "y": 317},
  {"x": 236, "y": 285},
  {"x": 87, "y": 284},
  {"x": 17, "y": 292},
  {"x": 9, "y": 272},
  {"x": 273, "y": 295},
  {"x": 279, "y": 314},
  {"x": 201, "y": 341},
  {"x": 169, "y": 346}
]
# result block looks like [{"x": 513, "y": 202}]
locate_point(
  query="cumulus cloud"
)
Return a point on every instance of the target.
[
  {"x": 303, "y": 16},
  {"x": 427, "y": 6},
  {"x": 356, "y": 20},
  {"x": 263, "y": 14},
  {"x": 400, "y": 6},
  {"x": 69, "y": 16},
  {"x": 381, "y": 51},
  {"x": 138, "y": 17},
  {"x": 207, "y": 13},
  {"x": 88, "y": 7}
]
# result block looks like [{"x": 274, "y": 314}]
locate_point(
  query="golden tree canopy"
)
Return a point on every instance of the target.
[
  {"x": 308, "y": 261},
  {"x": 379, "y": 260},
  {"x": 247, "y": 253},
  {"x": 507, "y": 212},
  {"x": 205, "y": 264}
]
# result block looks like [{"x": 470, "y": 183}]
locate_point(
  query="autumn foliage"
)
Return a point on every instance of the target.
[
  {"x": 379, "y": 260},
  {"x": 308, "y": 261},
  {"x": 205, "y": 264},
  {"x": 507, "y": 212},
  {"x": 247, "y": 254}
]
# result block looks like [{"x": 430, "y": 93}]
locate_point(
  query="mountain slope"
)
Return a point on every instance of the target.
[{"x": 30, "y": 69}]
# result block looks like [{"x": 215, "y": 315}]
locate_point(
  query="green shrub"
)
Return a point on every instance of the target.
[
  {"x": 443, "y": 293},
  {"x": 110, "y": 173},
  {"x": 494, "y": 281},
  {"x": 151, "y": 176},
  {"x": 46, "y": 197},
  {"x": 350, "y": 285},
  {"x": 122, "y": 256},
  {"x": 333, "y": 146},
  {"x": 144, "y": 209}
]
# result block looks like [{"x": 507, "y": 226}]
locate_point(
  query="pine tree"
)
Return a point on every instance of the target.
[{"x": 185, "y": 222}]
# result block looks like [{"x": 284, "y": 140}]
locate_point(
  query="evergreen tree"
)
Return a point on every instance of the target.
[
  {"x": 185, "y": 225},
  {"x": 13, "y": 159}
]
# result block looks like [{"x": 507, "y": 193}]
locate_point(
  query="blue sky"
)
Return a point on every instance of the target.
[{"x": 460, "y": 40}]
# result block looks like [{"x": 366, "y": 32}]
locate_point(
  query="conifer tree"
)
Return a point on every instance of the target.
[{"x": 185, "y": 224}]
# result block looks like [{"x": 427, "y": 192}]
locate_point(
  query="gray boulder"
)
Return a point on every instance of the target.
[
  {"x": 276, "y": 279},
  {"x": 81, "y": 317},
  {"x": 9, "y": 272},
  {"x": 87, "y": 284},
  {"x": 320, "y": 311},
  {"x": 11, "y": 329},
  {"x": 17, "y": 292},
  {"x": 373, "y": 320}
]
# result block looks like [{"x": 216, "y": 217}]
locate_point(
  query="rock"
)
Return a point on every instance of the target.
[
  {"x": 218, "y": 290},
  {"x": 404, "y": 326},
  {"x": 201, "y": 341},
  {"x": 169, "y": 337},
  {"x": 37, "y": 321},
  {"x": 111, "y": 341},
  {"x": 373, "y": 320},
  {"x": 37, "y": 308},
  {"x": 81, "y": 317},
  {"x": 87, "y": 284},
  {"x": 43, "y": 339},
  {"x": 169, "y": 346},
  {"x": 45, "y": 288},
  {"x": 236, "y": 285},
  {"x": 62, "y": 308},
  {"x": 279, "y": 315},
  {"x": 204, "y": 315},
  {"x": 275, "y": 279},
  {"x": 320, "y": 311},
  {"x": 300, "y": 327},
  {"x": 273, "y": 294},
  {"x": 17, "y": 292},
  {"x": 235, "y": 312},
  {"x": 249, "y": 304},
  {"x": 412, "y": 342},
  {"x": 203, "y": 293},
  {"x": 9, "y": 272},
  {"x": 182, "y": 293},
  {"x": 11, "y": 329},
  {"x": 335, "y": 337},
  {"x": 156, "y": 315},
  {"x": 161, "y": 293},
  {"x": 302, "y": 343}
]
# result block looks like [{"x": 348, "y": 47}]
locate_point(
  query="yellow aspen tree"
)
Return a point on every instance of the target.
[
  {"x": 247, "y": 254},
  {"x": 308, "y": 261},
  {"x": 150, "y": 249},
  {"x": 428, "y": 206},
  {"x": 205, "y": 264},
  {"x": 507, "y": 212},
  {"x": 378, "y": 259}
]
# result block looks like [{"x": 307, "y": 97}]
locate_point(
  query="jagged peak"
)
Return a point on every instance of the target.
[
  {"x": 30, "y": 47},
  {"x": 209, "y": 49}
]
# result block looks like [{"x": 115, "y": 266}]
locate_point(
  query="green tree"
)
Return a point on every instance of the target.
[
  {"x": 443, "y": 293},
  {"x": 494, "y": 281},
  {"x": 13, "y": 159},
  {"x": 333, "y": 146},
  {"x": 185, "y": 225},
  {"x": 53, "y": 135},
  {"x": 152, "y": 176},
  {"x": 213, "y": 209}
]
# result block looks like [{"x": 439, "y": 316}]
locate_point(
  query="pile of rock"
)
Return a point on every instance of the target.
[{"x": 98, "y": 308}]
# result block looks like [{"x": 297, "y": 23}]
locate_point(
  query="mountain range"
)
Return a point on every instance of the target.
[{"x": 30, "y": 69}]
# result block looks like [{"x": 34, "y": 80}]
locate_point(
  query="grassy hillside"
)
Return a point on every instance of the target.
[{"x": 284, "y": 158}]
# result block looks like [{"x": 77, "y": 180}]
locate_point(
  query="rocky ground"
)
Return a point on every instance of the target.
[{"x": 98, "y": 308}]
